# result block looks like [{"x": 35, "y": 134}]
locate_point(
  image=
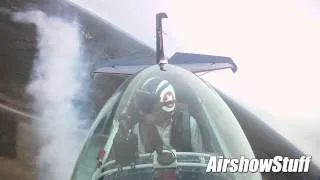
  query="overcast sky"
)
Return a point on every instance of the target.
[{"x": 276, "y": 45}]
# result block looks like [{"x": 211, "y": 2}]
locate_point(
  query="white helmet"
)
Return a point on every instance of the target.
[{"x": 156, "y": 91}]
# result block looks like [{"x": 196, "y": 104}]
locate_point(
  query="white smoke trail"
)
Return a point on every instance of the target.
[{"x": 58, "y": 72}]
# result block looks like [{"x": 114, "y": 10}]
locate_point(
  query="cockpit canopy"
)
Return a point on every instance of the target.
[{"x": 216, "y": 125}]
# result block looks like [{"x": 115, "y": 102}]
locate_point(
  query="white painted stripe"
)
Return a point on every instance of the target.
[
  {"x": 18, "y": 112},
  {"x": 31, "y": 117}
]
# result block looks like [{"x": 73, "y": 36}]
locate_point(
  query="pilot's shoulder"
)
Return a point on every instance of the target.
[
  {"x": 194, "y": 127},
  {"x": 193, "y": 122},
  {"x": 136, "y": 128}
]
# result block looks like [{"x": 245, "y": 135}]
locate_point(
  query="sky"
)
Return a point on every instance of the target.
[{"x": 275, "y": 45}]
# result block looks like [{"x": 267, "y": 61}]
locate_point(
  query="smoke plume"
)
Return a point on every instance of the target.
[{"x": 56, "y": 91}]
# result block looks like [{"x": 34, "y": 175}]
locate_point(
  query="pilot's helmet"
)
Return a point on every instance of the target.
[{"x": 156, "y": 93}]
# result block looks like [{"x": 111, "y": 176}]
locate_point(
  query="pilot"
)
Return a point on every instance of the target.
[{"x": 160, "y": 124}]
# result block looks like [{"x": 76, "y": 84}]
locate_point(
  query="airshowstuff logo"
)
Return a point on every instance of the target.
[{"x": 242, "y": 164}]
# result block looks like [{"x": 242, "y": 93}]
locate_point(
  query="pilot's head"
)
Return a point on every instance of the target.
[{"x": 156, "y": 99}]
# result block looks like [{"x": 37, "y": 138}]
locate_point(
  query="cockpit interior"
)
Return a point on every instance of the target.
[{"x": 220, "y": 132}]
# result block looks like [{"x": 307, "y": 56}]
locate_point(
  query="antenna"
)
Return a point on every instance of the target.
[{"x": 161, "y": 60}]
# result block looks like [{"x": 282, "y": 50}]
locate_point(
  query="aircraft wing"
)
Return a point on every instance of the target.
[
  {"x": 202, "y": 63},
  {"x": 123, "y": 66},
  {"x": 189, "y": 61}
]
